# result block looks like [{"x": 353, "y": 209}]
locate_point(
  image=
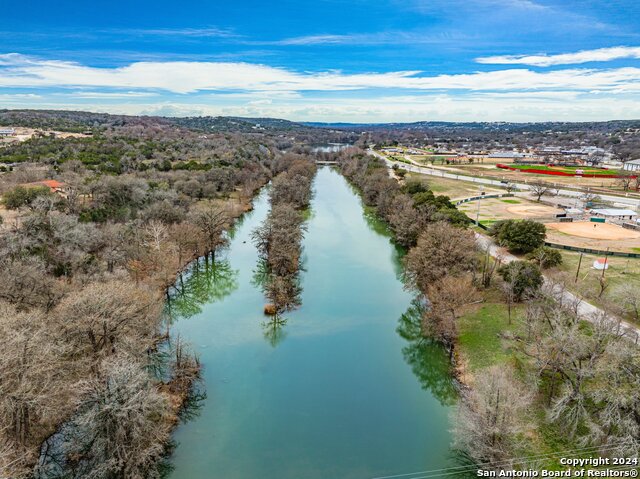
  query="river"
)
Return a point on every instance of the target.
[{"x": 336, "y": 392}]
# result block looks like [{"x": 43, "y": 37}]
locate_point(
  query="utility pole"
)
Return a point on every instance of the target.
[
  {"x": 478, "y": 213},
  {"x": 579, "y": 264},
  {"x": 606, "y": 259}
]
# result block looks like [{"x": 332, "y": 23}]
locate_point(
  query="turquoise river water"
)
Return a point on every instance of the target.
[{"x": 344, "y": 390}]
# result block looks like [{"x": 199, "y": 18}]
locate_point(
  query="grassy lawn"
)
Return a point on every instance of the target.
[
  {"x": 481, "y": 328},
  {"x": 512, "y": 202},
  {"x": 487, "y": 222},
  {"x": 452, "y": 188},
  {"x": 621, "y": 271},
  {"x": 482, "y": 343}
]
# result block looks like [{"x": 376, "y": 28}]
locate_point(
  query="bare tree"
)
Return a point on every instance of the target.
[
  {"x": 595, "y": 159},
  {"x": 405, "y": 219},
  {"x": 508, "y": 288},
  {"x": 446, "y": 297},
  {"x": 115, "y": 245},
  {"x": 617, "y": 392},
  {"x": 122, "y": 424},
  {"x": 442, "y": 249},
  {"x": 35, "y": 381},
  {"x": 492, "y": 416},
  {"x": 625, "y": 180},
  {"x": 156, "y": 233},
  {"x": 567, "y": 358},
  {"x": 26, "y": 286},
  {"x": 105, "y": 318},
  {"x": 589, "y": 197},
  {"x": 186, "y": 238},
  {"x": 538, "y": 190},
  {"x": 489, "y": 265},
  {"x": 628, "y": 297},
  {"x": 212, "y": 221}
]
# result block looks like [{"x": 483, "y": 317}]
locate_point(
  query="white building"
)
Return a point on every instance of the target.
[
  {"x": 7, "y": 132},
  {"x": 614, "y": 213},
  {"x": 506, "y": 154},
  {"x": 633, "y": 165}
]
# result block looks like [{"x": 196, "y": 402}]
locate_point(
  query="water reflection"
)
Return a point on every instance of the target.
[
  {"x": 207, "y": 281},
  {"x": 311, "y": 395},
  {"x": 425, "y": 356},
  {"x": 381, "y": 227},
  {"x": 273, "y": 331},
  {"x": 285, "y": 290},
  {"x": 260, "y": 274}
]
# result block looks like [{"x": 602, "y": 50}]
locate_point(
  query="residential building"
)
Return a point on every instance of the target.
[{"x": 633, "y": 165}]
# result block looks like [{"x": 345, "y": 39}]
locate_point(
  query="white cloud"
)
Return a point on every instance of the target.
[
  {"x": 584, "y": 56},
  {"x": 317, "y": 40},
  {"x": 110, "y": 95},
  {"x": 177, "y": 32},
  {"x": 19, "y": 97},
  {"x": 232, "y": 88},
  {"x": 391, "y": 37},
  {"x": 189, "y": 76},
  {"x": 444, "y": 107}
]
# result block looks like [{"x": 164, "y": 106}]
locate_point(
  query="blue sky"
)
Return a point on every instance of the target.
[{"x": 326, "y": 60}]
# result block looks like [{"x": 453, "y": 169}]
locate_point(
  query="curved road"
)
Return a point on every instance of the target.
[
  {"x": 486, "y": 181},
  {"x": 585, "y": 310}
]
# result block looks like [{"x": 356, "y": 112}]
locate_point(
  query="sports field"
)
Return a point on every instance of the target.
[
  {"x": 594, "y": 235},
  {"x": 495, "y": 209}
]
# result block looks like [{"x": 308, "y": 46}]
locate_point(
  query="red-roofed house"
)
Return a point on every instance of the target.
[{"x": 54, "y": 185}]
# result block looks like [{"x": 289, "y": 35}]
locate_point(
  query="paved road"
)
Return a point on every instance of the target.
[
  {"x": 586, "y": 311},
  {"x": 633, "y": 202}
]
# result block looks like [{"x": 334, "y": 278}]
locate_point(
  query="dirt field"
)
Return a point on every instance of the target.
[
  {"x": 23, "y": 134},
  {"x": 454, "y": 189},
  {"x": 601, "y": 236},
  {"x": 496, "y": 209},
  {"x": 530, "y": 210}
]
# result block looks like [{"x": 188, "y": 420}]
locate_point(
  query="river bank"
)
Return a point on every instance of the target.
[{"x": 336, "y": 392}]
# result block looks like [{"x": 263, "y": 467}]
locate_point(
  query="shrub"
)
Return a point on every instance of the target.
[
  {"x": 21, "y": 196},
  {"x": 523, "y": 277},
  {"x": 413, "y": 187},
  {"x": 545, "y": 257},
  {"x": 519, "y": 236}
]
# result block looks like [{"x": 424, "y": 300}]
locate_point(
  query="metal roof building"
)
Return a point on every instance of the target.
[
  {"x": 613, "y": 212},
  {"x": 633, "y": 165}
]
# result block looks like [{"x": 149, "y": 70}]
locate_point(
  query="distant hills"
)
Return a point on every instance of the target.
[
  {"x": 486, "y": 126},
  {"x": 65, "y": 120}
]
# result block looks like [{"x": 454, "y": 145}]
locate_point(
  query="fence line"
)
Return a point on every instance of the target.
[
  {"x": 592, "y": 251},
  {"x": 548, "y": 243},
  {"x": 482, "y": 197}
]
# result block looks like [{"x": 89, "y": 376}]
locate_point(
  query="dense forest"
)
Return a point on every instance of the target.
[
  {"x": 621, "y": 137},
  {"x": 85, "y": 266}
]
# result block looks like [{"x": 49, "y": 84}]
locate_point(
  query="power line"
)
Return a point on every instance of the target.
[{"x": 534, "y": 458}]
